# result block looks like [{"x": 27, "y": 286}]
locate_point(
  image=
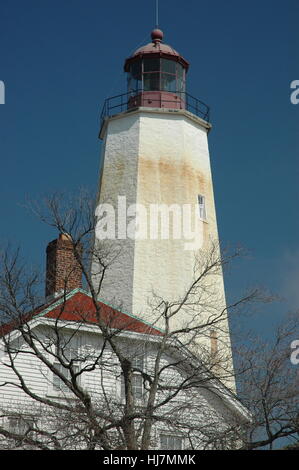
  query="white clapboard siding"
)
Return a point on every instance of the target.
[{"x": 199, "y": 406}]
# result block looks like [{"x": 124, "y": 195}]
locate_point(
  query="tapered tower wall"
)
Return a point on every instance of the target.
[{"x": 158, "y": 158}]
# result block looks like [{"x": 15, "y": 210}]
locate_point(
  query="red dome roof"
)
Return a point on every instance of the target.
[
  {"x": 156, "y": 47},
  {"x": 153, "y": 48}
]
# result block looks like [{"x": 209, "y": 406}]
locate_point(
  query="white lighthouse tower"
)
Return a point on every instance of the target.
[{"x": 156, "y": 175}]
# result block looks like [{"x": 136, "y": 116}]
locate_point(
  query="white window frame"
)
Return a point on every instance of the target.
[
  {"x": 56, "y": 385},
  {"x": 19, "y": 424},
  {"x": 170, "y": 436},
  {"x": 202, "y": 207},
  {"x": 136, "y": 363}
]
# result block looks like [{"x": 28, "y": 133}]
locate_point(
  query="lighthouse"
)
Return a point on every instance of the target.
[{"x": 155, "y": 203}]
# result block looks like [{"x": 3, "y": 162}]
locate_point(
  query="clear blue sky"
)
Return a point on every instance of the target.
[{"x": 60, "y": 60}]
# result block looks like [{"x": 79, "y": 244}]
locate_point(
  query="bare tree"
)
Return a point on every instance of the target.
[
  {"x": 269, "y": 387},
  {"x": 101, "y": 384}
]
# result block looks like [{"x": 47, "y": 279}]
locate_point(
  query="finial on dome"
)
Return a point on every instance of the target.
[{"x": 157, "y": 35}]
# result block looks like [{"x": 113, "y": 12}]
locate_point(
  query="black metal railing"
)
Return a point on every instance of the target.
[{"x": 172, "y": 100}]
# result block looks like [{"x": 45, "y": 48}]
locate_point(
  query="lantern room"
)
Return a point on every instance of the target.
[{"x": 156, "y": 75}]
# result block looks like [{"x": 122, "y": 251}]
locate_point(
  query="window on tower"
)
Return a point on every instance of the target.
[{"x": 202, "y": 207}]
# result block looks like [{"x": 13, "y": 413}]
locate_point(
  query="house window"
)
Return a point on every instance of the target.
[
  {"x": 171, "y": 442},
  {"x": 20, "y": 424},
  {"x": 137, "y": 387},
  {"x": 138, "y": 362},
  {"x": 68, "y": 352},
  {"x": 137, "y": 380},
  {"x": 58, "y": 383},
  {"x": 202, "y": 207}
]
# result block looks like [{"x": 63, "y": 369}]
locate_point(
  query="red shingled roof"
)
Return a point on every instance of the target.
[{"x": 79, "y": 307}]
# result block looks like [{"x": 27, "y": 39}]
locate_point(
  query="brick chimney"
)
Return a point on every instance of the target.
[{"x": 63, "y": 272}]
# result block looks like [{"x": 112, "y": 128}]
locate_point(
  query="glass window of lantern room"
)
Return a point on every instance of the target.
[
  {"x": 168, "y": 75},
  {"x": 168, "y": 66},
  {"x": 151, "y": 81},
  {"x": 168, "y": 82},
  {"x": 180, "y": 78},
  {"x": 135, "y": 76},
  {"x": 151, "y": 74},
  {"x": 151, "y": 65}
]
